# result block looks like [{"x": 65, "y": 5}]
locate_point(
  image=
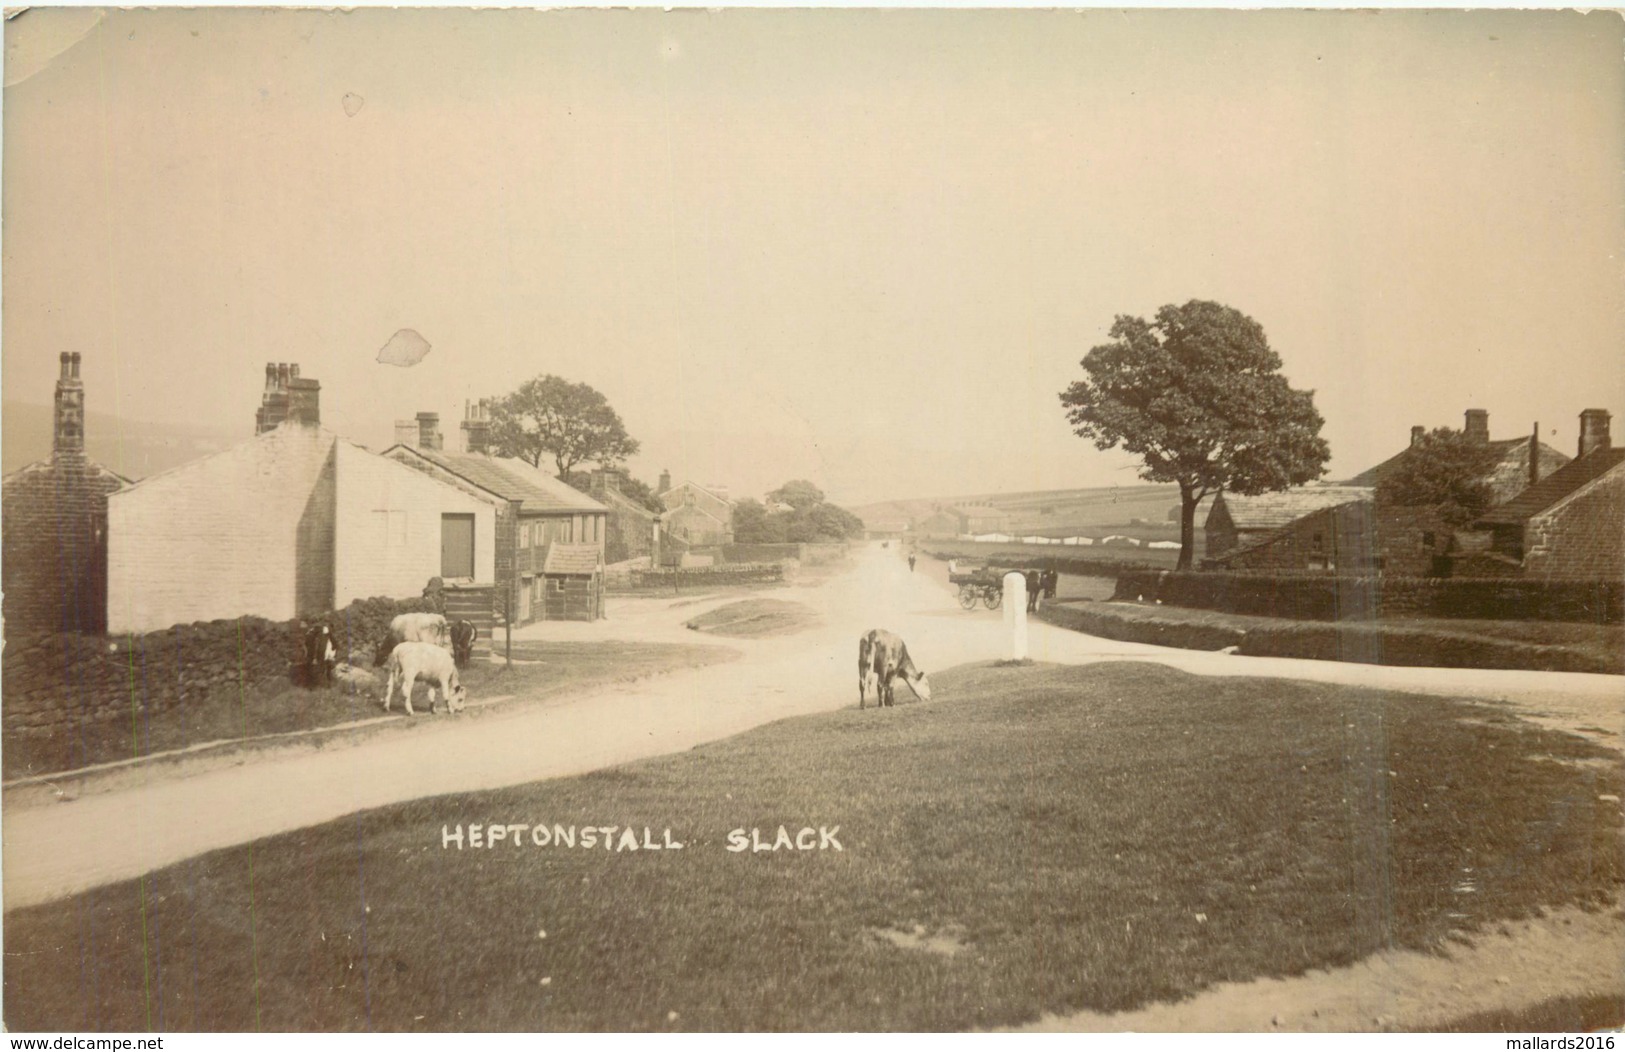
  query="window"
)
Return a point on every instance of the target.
[
  {"x": 1319, "y": 541},
  {"x": 391, "y": 528},
  {"x": 557, "y": 584},
  {"x": 1428, "y": 539}
]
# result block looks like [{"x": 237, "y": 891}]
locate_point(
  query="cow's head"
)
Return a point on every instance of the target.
[
  {"x": 919, "y": 685},
  {"x": 456, "y": 698}
]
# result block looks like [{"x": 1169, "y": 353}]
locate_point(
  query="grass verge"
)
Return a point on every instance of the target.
[
  {"x": 1545, "y": 646},
  {"x": 229, "y": 713},
  {"x": 1038, "y": 839}
]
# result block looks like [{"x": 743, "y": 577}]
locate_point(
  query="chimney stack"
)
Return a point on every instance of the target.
[
  {"x": 304, "y": 399},
  {"x": 406, "y": 432},
  {"x": 428, "y": 430},
  {"x": 1534, "y": 454},
  {"x": 1478, "y": 425},
  {"x": 68, "y": 438},
  {"x": 606, "y": 480},
  {"x": 1417, "y": 431},
  {"x": 274, "y": 402},
  {"x": 476, "y": 427},
  {"x": 1594, "y": 431},
  {"x": 665, "y": 480}
]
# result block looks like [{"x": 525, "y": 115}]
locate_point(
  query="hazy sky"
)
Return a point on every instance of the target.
[{"x": 868, "y": 248}]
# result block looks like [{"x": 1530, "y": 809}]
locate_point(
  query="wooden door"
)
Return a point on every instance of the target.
[{"x": 456, "y": 545}]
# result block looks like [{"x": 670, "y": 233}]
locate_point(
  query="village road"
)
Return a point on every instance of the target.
[{"x": 56, "y": 849}]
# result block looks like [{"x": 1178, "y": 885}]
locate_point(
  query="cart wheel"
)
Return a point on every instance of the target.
[
  {"x": 967, "y": 597},
  {"x": 993, "y": 598}
]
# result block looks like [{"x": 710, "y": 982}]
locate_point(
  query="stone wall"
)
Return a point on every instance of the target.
[
  {"x": 55, "y": 681},
  {"x": 1329, "y": 597}
]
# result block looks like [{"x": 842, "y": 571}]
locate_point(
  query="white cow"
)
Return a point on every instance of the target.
[
  {"x": 413, "y": 661},
  {"x": 407, "y": 628}
]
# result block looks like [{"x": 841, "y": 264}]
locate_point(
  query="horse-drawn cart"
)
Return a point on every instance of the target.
[{"x": 984, "y": 586}]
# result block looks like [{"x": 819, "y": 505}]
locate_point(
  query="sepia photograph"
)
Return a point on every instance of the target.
[{"x": 802, "y": 520}]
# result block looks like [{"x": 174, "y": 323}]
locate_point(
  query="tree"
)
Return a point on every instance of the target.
[
  {"x": 551, "y": 416},
  {"x": 1197, "y": 394},
  {"x": 1444, "y": 470},
  {"x": 643, "y": 493},
  {"x": 754, "y": 524},
  {"x": 799, "y": 494}
]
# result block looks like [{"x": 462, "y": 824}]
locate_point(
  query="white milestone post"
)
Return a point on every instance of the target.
[{"x": 1015, "y": 613}]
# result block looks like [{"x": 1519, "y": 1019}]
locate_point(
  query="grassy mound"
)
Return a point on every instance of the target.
[
  {"x": 1037, "y": 839},
  {"x": 754, "y": 618}
]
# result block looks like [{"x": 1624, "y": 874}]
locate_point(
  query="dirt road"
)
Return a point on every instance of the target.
[{"x": 56, "y": 849}]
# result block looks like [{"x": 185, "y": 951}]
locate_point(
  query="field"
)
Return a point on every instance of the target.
[
  {"x": 280, "y": 707},
  {"x": 1049, "y": 511},
  {"x": 1037, "y": 839}
]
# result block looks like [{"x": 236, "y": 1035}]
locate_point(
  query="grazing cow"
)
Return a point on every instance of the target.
[
  {"x": 463, "y": 634},
  {"x": 882, "y": 657},
  {"x": 413, "y": 628},
  {"x": 413, "y": 661},
  {"x": 320, "y": 657}
]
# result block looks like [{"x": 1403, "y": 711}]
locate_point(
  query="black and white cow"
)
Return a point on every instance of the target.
[
  {"x": 463, "y": 635},
  {"x": 320, "y": 655},
  {"x": 882, "y": 656}
]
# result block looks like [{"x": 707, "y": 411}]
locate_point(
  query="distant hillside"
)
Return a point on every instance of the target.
[
  {"x": 133, "y": 448},
  {"x": 1053, "y": 511}
]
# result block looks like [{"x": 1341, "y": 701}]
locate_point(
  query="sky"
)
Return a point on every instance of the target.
[{"x": 867, "y": 248}]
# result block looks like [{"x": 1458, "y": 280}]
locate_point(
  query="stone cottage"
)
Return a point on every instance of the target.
[
  {"x": 550, "y": 537},
  {"x": 55, "y": 526},
  {"x": 292, "y": 523}
]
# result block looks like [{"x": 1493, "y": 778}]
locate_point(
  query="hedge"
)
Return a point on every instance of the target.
[
  {"x": 1332, "y": 597},
  {"x": 1370, "y": 644}
]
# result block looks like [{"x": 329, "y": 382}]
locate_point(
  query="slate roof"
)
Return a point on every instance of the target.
[
  {"x": 1554, "y": 487},
  {"x": 1372, "y": 476},
  {"x": 513, "y": 479},
  {"x": 1269, "y": 511},
  {"x": 571, "y": 558}
]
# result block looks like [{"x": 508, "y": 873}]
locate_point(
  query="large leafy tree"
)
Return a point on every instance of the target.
[
  {"x": 1445, "y": 470},
  {"x": 804, "y": 523},
  {"x": 799, "y": 494},
  {"x": 572, "y": 423},
  {"x": 1198, "y": 395}
]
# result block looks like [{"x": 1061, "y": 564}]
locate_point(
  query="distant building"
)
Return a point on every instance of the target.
[
  {"x": 550, "y": 536},
  {"x": 696, "y": 516},
  {"x": 889, "y": 529},
  {"x": 629, "y": 529},
  {"x": 292, "y": 523},
  {"x": 55, "y": 526},
  {"x": 956, "y": 520}
]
